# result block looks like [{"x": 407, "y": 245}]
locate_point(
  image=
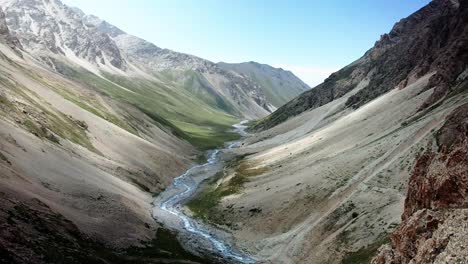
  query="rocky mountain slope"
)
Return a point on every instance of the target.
[
  {"x": 197, "y": 96},
  {"x": 74, "y": 164},
  {"x": 324, "y": 179},
  {"x": 434, "y": 223},
  {"x": 434, "y": 39},
  {"x": 279, "y": 86},
  {"x": 94, "y": 122}
]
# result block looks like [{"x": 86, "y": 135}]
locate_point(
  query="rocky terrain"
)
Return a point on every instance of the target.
[
  {"x": 65, "y": 183},
  {"x": 324, "y": 179},
  {"x": 434, "y": 226},
  {"x": 279, "y": 86},
  {"x": 434, "y": 39},
  {"x": 56, "y": 34},
  {"x": 95, "y": 122}
]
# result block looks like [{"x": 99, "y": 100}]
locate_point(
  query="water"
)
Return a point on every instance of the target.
[{"x": 186, "y": 186}]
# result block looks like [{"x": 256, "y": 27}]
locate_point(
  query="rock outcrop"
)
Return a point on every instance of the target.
[
  {"x": 434, "y": 226},
  {"x": 5, "y": 35}
]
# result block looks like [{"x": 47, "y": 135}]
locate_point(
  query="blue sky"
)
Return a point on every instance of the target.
[{"x": 310, "y": 38}]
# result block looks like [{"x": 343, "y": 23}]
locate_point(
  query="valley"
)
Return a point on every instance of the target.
[
  {"x": 182, "y": 189},
  {"x": 114, "y": 150}
]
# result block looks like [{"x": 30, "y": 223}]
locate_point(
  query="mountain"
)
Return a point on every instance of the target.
[
  {"x": 74, "y": 164},
  {"x": 435, "y": 211},
  {"x": 432, "y": 40},
  {"x": 279, "y": 86},
  {"x": 197, "y": 96},
  {"x": 327, "y": 177},
  {"x": 93, "y": 123}
]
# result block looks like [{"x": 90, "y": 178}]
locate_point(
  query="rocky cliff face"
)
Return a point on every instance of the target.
[
  {"x": 50, "y": 26},
  {"x": 434, "y": 226},
  {"x": 434, "y": 39},
  {"x": 5, "y": 35}
]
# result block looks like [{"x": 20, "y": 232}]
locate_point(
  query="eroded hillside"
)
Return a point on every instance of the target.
[
  {"x": 198, "y": 97},
  {"x": 325, "y": 177},
  {"x": 74, "y": 165}
]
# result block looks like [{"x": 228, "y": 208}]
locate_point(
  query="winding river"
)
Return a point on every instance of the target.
[{"x": 167, "y": 206}]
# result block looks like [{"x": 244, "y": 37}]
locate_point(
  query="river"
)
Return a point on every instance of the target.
[{"x": 167, "y": 206}]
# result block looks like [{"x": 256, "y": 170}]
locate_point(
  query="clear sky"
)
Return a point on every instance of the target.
[{"x": 310, "y": 38}]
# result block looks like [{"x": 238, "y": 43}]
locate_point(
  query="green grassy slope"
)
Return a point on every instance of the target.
[{"x": 202, "y": 119}]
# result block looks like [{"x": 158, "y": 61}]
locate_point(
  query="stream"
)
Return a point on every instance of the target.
[{"x": 167, "y": 206}]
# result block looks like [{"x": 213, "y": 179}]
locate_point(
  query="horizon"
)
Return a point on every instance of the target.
[{"x": 288, "y": 42}]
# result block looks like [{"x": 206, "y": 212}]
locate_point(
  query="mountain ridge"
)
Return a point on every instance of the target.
[
  {"x": 396, "y": 60},
  {"x": 194, "y": 96},
  {"x": 327, "y": 177},
  {"x": 102, "y": 47}
]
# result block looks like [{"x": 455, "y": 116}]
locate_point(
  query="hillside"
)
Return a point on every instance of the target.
[
  {"x": 432, "y": 40},
  {"x": 197, "y": 96},
  {"x": 103, "y": 138},
  {"x": 325, "y": 177},
  {"x": 433, "y": 228},
  {"x": 94, "y": 122},
  {"x": 279, "y": 86},
  {"x": 74, "y": 164}
]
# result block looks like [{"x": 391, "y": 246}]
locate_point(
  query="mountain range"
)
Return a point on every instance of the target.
[
  {"x": 368, "y": 167},
  {"x": 195, "y": 95}
]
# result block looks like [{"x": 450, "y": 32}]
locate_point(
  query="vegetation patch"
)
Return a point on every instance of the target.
[
  {"x": 42, "y": 121},
  {"x": 365, "y": 255},
  {"x": 204, "y": 124},
  {"x": 229, "y": 182},
  {"x": 87, "y": 103},
  {"x": 164, "y": 246},
  {"x": 4, "y": 158}
]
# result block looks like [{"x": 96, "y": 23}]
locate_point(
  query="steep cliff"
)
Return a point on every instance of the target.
[{"x": 434, "y": 226}]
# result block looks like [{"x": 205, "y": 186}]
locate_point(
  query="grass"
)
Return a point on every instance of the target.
[
  {"x": 164, "y": 246},
  {"x": 365, "y": 255},
  {"x": 172, "y": 105},
  {"x": 51, "y": 123},
  {"x": 58, "y": 240},
  {"x": 85, "y": 102},
  {"x": 204, "y": 204},
  {"x": 206, "y": 137}
]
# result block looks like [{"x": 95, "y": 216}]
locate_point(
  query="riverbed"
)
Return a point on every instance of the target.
[{"x": 167, "y": 209}]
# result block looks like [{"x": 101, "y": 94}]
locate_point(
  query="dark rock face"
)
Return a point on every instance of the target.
[
  {"x": 434, "y": 227},
  {"x": 434, "y": 39},
  {"x": 440, "y": 180},
  {"x": 5, "y": 35}
]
